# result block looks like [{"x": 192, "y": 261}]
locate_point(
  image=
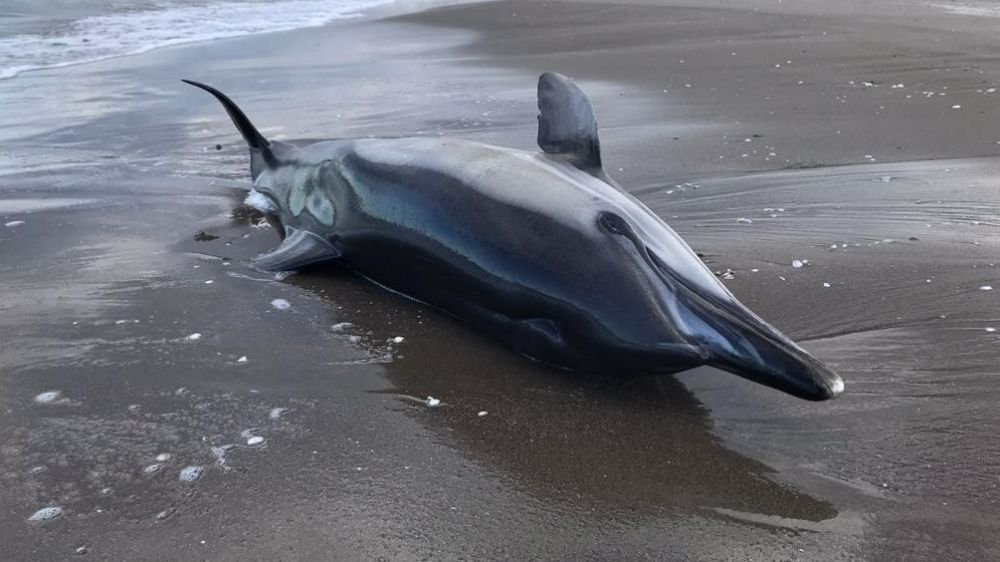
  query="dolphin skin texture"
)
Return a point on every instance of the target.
[{"x": 542, "y": 251}]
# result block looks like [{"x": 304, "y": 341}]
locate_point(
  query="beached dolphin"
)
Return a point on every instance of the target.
[{"x": 544, "y": 251}]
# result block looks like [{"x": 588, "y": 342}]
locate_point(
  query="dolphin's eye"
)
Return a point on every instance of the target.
[{"x": 613, "y": 223}]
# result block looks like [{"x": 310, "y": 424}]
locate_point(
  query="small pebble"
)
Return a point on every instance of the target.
[
  {"x": 255, "y": 440},
  {"x": 242, "y": 359},
  {"x": 153, "y": 468},
  {"x": 482, "y": 413},
  {"x": 194, "y": 337},
  {"x": 398, "y": 339},
  {"x": 797, "y": 264},
  {"x": 82, "y": 549},
  {"x": 827, "y": 285},
  {"x": 163, "y": 457}
]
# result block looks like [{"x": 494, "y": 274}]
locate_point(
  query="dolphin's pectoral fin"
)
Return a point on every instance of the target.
[
  {"x": 299, "y": 249},
  {"x": 566, "y": 123}
]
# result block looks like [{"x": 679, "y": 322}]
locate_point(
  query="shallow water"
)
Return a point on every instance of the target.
[{"x": 106, "y": 282}]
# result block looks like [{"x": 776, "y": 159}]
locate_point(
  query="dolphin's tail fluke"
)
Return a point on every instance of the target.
[{"x": 250, "y": 133}]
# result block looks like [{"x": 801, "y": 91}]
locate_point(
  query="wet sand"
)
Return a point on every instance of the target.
[{"x": 129, "y": 210}]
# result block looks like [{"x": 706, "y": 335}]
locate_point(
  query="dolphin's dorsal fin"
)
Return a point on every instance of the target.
[
  {"x": 299, "y": 249},
  {"x": 259, "y": 146},
  {"x": 566, "y": 123}
]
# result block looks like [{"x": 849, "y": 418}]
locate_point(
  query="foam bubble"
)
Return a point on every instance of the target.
[{"x": 281, "y": 304}]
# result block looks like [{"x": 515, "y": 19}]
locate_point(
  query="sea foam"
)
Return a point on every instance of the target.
[{"x": 130, "y": 32}]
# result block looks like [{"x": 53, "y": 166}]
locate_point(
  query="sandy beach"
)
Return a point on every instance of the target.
[{"x": 176, "y": 404}]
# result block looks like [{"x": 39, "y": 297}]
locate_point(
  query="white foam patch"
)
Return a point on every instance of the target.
[
  {"x": 46, "y": 514},
  {"x": 13, "y": 224},
  {"x": 281, "y": 304},
  {"x": 276, "y": 413},
  {"x": 191, "y": 473},
  {"x": 48, "y": 397},
  {"x": 137, "y": 31}
]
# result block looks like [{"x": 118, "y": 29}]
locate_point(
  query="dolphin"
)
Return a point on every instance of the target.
[{"x": 542, "y": 251}]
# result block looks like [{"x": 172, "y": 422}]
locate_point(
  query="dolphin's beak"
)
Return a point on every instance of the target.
[{"x": 738, "y": 341}]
